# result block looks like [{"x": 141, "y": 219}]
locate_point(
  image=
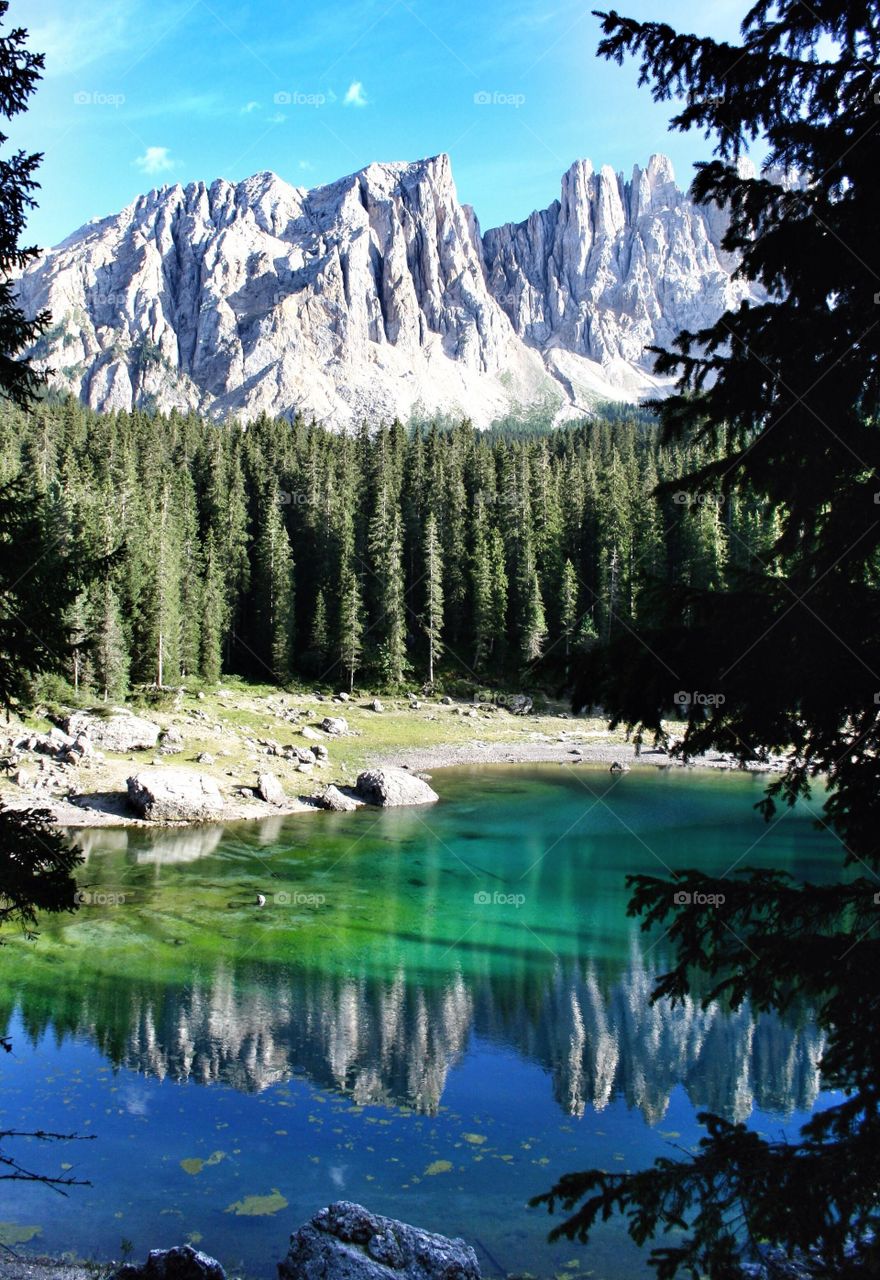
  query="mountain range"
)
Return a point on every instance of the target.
[{"x": 378, "y": 296}]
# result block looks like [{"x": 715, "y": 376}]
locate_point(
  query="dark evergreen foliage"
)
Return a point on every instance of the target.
[
  {"x": 781, "y": 651},
  {"x": 282, "y": 550}
]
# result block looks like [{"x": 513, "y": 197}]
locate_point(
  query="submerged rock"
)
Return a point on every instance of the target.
[
  {"x": 347, "y": 1242},
  {"x": 174, "y": 795},
  {"x": 394, "y": 787},
  {"x": 182, "y": 1263}
]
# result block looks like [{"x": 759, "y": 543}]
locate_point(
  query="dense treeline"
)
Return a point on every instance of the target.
[{"x": 282, "y": 550}]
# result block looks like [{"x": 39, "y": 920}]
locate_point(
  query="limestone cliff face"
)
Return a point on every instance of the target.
[
  {"x": 377, "y": 296},
  {"x": 611, "y": 267}
]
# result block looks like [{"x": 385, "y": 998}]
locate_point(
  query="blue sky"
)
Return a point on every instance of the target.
[{"x": 138, "y": 93}]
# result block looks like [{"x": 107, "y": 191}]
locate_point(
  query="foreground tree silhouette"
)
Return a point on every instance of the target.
[
  {"x": 37, "y": 584},
  {"x": 786, "y": 388}
]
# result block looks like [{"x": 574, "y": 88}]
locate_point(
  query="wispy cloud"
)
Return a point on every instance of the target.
[
  {"x": 155, "y": 160},
  {"x": 250, "y": 107},
  {"x": 355, "y": 96},
  {"x": 74, "y": 42}
]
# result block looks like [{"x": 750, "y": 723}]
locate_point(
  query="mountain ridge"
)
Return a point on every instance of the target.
[{"x": 378, "y": 296}]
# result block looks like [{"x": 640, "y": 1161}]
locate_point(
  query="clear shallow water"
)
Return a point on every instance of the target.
[{"x": 436, "y": 1013}]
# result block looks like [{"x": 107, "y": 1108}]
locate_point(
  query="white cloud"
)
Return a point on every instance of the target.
[
  {"x": 355, "y": 96},
  {"x": 250, "y": 107},
  {"x": 277, "y": 118},
  {"x": 155, "y": 160}
]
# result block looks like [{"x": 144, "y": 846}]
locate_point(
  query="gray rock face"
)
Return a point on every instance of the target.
[
  {"x": 181, "y": 1263},
  {"x": 269, "y": 788},
  {"x": 377, "y": 296},
  {"x": 347, "y": 1242},
  {"x": 174, "y": 795},
  {"x": 611, "y": 267},
  {"x": 123, "y": 732},
  {"x": 390, "y": 787}
]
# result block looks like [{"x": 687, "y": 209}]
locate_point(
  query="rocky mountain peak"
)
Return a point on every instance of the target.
[{"x": 376, "y": 295}]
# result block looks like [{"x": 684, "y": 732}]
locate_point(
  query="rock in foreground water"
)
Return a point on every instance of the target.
[
  {"x": 181, "y": 1263},
  {"x": 347, "y": 1242}
]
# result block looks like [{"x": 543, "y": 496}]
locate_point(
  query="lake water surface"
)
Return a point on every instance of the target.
[{"x": 436, "y": 1013}]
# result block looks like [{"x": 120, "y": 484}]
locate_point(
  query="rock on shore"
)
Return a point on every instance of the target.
[
  {"x": 121, "y": 732},
  {"x": 389, "y": 787},
  {"x": 174, "y": 795}
]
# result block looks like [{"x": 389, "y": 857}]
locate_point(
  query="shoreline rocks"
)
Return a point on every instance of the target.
[
  {"x": 268, "y": 788},
  {"x": 118, "y": 732},
  {"x": 174, "y": 795},
  {"x": 390, "y": 787}
]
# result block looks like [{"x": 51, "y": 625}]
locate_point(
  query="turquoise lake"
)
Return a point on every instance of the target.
[{"x": 437, "y": 1012}]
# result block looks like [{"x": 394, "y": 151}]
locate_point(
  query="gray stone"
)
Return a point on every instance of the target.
[
  {"x": 347, "y": 1242},
  {"x": 520, "y": 704},
  {"x": 308, "y": 732},
  {"x": 182, "y": 1263},
  {"x": 171, "y": 741},
  {"x": 338, "y": 800},
  {"x": 121, "y": 732},
  {"x": 204, "y": 757},
  {"x": 392, "y": 787},
  {"x": 174, "y": 795},
  {"x": 375, "y": 705},
  {"x": 320, "y": 752},
  {"x": 269, "y": 788},
  {"x": 335, "y": 725}
]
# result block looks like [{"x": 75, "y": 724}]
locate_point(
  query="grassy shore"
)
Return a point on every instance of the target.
[{"x": 237, "y": 725}]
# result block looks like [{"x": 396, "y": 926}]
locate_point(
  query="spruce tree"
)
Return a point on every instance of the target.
[
  {"x": 351, "y": 623},
  {"x": 319, "y": 644},
  {"x": 568, "y": 607},
  {"x": 215, "y": 612},
  {"x": 432, "y": 614},
  {"x": 274, "y": 588}
]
